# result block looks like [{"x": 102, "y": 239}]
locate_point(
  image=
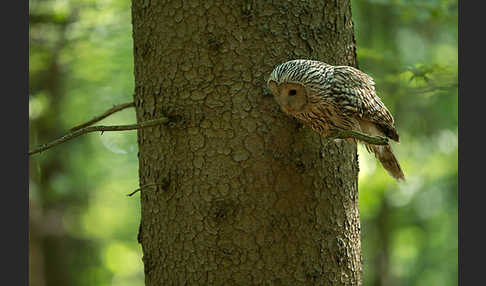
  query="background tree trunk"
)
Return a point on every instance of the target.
[
  {"x": 48, "y": 242},
  {"x": 246, "y": 195}
]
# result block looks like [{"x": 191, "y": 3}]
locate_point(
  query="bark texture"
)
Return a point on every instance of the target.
[{"x": 245, "y": 194}]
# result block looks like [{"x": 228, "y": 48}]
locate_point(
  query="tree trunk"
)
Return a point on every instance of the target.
[{"x": 245, "y": 195}]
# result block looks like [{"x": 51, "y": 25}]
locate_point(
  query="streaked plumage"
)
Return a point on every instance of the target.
[{"x": 335, "y": 97}]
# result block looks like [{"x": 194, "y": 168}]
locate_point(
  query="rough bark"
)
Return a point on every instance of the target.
[{"x": 245, "y": 194}]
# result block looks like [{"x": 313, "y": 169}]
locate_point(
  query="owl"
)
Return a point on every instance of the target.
[{"x": 327, "y": 97}]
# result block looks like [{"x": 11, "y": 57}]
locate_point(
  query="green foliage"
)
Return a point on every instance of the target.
[
  {"x": 81, "y": 63},
  {"x": 410, "y": 48},
  {"x": 79, "y": 67}
]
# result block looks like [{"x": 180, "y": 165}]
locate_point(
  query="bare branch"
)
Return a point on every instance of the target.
[
  {"x": 107, "y": 113},
  {"x": 71, "y": 135},
  {"x": 143, "y": 187},
  {"x": 343, "y": 134}
]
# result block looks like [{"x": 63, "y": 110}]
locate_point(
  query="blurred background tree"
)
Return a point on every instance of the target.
[{"x": 83, "y": 227}]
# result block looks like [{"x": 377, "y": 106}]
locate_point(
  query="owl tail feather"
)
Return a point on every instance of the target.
[{"x": 388, "y": 160}]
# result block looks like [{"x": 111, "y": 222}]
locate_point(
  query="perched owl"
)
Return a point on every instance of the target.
[{"x": 330, "y": 97}]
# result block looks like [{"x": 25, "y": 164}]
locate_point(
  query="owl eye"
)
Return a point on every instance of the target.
[{"x": 292, "y": 92}]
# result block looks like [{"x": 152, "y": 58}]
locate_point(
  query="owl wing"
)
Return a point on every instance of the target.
[{"x": 354, "y": 91}]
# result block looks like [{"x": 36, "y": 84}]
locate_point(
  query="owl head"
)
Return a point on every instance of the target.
[{"x": 293, "y": 82}]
